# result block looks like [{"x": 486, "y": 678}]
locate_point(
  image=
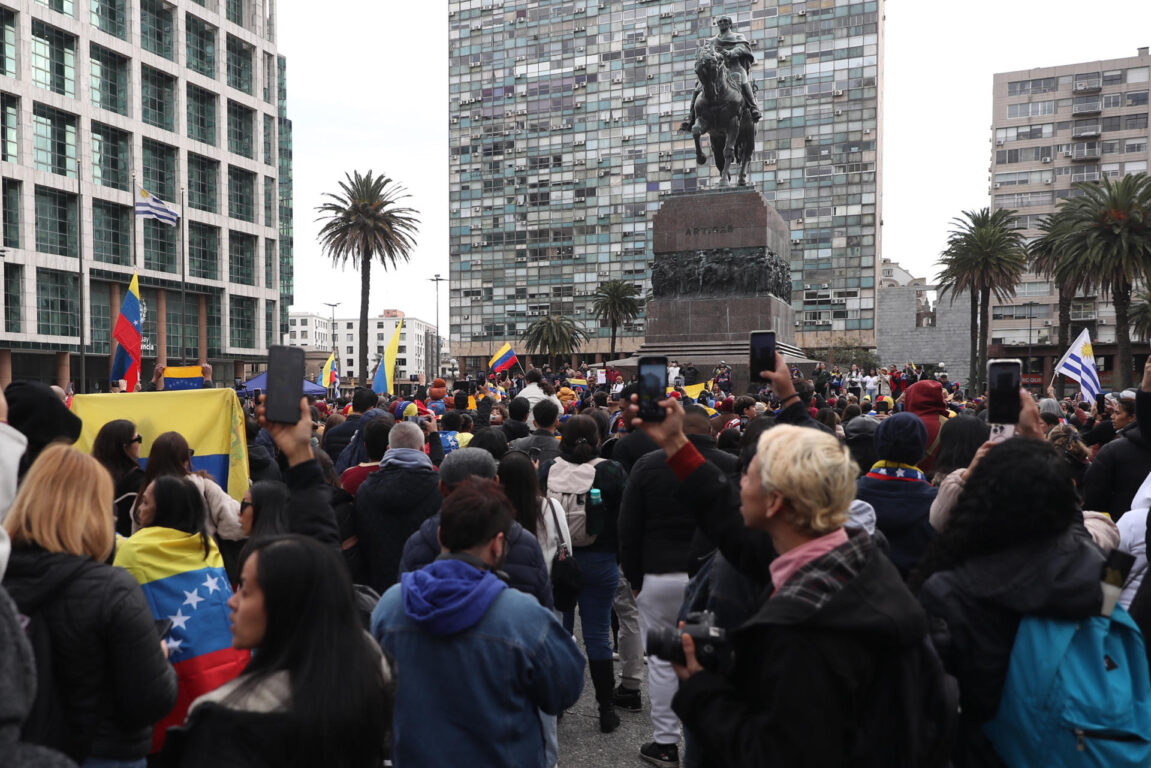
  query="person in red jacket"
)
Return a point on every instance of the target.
[{"x": 927, "y": 401}]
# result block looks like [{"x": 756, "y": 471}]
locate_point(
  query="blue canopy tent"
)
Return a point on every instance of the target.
[{"x": 260, "y": 382}]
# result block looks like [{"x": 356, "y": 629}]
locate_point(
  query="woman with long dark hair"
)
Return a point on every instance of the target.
[
  {"x": 117, "y": 447},
  {"x": 171, "y": 456},
  {"x": 264, "y": 513},
  {"x": 597, "y": 558},
  {"x": 959, "y": 438},
  {"x": 1014, "y": 546},
  {"x": 171, "y": 557},
  {"x": 317, "y": 690}
]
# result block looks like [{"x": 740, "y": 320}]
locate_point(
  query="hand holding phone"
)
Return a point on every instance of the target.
[{"x": 1004, "y": 380}]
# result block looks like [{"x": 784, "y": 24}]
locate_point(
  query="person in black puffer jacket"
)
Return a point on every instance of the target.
[
  {"x": 525, "y": 565},
  {"x": 111, "y": 676},
  {"x": 392, "y": 503},
  {"x": 336, "y": 440}
]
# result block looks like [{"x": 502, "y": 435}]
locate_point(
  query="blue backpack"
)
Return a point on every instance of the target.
[{"x": 1078, "y": 693}]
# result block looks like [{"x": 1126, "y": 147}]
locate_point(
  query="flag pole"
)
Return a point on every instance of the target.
[{"x": 80, "y": 275}]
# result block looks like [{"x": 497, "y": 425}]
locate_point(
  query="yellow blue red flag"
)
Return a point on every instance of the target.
[
  {"x": 384, "y": 381},
  {"x": 211, "y": 420},
  {"x": 503, "y": 359}
]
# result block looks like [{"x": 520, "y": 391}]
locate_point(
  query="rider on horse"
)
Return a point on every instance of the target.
[{"x": 739, "y": 58}]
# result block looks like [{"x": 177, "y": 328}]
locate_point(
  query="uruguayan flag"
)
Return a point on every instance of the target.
[
  {"x": 1079, "y": 363},
  {"x": 152, "y": 207}
]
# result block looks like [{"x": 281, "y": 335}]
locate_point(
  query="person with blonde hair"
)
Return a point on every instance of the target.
[
  {"x": 111, "y": 680},
  {"x": 814, "y": 673}
]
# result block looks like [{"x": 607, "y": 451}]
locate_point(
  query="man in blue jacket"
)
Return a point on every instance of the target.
[{"x": 455, "y": 622}]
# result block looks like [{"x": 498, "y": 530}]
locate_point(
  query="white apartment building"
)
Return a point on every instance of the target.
[{"x": 100, "y": 98}]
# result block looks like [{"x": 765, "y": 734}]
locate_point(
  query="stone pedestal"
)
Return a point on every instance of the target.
[{"x": 721, "y": 270}]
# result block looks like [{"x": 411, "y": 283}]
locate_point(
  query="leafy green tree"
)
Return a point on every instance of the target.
[
  {"x": 616, "y": 302},
  {"x": 1106, "y": 232},
  {"x": 363, "y": 223},
  {"x": 555, "y": 337},
  {"x": 985, "y": 256}
]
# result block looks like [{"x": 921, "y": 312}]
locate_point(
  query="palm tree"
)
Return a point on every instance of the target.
[
  {"x": 1106, "y": 229},
  {"x": 554, "y": 336},
  {"x": 1141, "y": 315},
  {"x": 985, "y": 255},
  {"x": 363, "y": 223},
  {"x": 1049, "y": 260},
  {"x": 616, "y": 302}
]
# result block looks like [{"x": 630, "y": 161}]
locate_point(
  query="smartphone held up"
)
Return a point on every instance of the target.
[
  {"x": 285, "y": 384},
  {"x": 1004, "y": 379},
  {"x": 652, "y": 387},
  {"x": 762, "y": 357}
]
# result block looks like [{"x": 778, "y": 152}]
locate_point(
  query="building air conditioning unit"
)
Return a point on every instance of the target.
[
  {"x": 837, "y": 92},
  {"x": 782, "y": 57},
  {"x": 1047, "y": 159},
  {"x": 997, "y": 186},
  {"x": 839, "y": 111},
  {"x": 999, "y": 143},
  {"x": 1049, "y": 181},
  {"x": 809, "y": 137},
  {"x": 1069, "y": 154}
]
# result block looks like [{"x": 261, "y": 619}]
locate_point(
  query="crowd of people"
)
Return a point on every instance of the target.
[{"x": 848, "y": 563}]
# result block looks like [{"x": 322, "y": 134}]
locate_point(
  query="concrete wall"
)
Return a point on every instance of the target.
[{"x": 898, "y": 340}]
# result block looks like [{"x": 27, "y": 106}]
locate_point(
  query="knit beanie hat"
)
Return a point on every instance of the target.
[{"x": 901, "y": 438}]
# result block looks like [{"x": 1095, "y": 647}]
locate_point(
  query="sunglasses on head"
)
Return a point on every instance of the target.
[{"x": 136, "y": 439}]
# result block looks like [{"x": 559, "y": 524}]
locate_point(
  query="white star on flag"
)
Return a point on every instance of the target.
[
  {"x": 899, "y": 473},
  {"x": 174, "y": 645},
  {"x": 212, "y": 584},
  {"x": 179, "y": 620},
  {"x": 193, "y": 599}
]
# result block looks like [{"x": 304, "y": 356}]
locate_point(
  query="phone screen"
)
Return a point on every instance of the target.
[
  {"x": 285, "y": 384},
  {"x": 1101, "y": 403},
  {"x": 762, "y": 354},
  {"x": 652, "y": 387},
  {"x": 1004, "y": 378}
]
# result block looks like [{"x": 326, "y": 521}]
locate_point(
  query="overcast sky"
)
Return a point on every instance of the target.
[{"x": 367, "y": 89}]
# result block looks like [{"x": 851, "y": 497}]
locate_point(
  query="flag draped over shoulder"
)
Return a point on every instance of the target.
[
  {"x": 1078, "y": 363},
  {"x": 128, "y": 332},
  {"x": 384, "y": 381},
  {"x": 192, "y": 590},
  {"x": 330, "y": 373},
  {"x": 503, "y": 359},
  {"x": 211, "y": 420}
]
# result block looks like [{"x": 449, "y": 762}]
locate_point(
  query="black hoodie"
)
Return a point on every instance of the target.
[{"x": 975, "y": 611}]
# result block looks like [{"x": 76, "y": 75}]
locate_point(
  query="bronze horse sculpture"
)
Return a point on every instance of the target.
[{"x": 723, "y": 115}]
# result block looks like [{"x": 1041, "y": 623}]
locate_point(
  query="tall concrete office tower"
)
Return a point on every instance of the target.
[
  {"x": 1054, "y": 127},
  {"x": 182, "y": 98},
  {"x": 564, "y": 139}
]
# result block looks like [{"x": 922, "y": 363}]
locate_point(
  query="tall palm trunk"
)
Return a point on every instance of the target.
[
  {"x": 365, "y": 290},
  {"x": 973, "y": 360},
  {"x": 984, "y": 330},
  {"x": 1121, "y": 296},
  {"x": 613, "y": 330},
  {"x": 1065, "y": 295}
]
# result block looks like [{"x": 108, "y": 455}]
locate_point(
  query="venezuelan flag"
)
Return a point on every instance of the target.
[
  {"x": 384, "y": 382},
  {"x": 182, "y": 585},
  {"x": 503, "y": 359},
  {"x": 183, "y": 377},
  {"x": 209, "y": 419},
  {"x": 694, "y": 390},
  {"x": 127, "y": 331}
]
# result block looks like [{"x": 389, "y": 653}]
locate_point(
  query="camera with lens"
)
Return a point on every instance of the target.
[{"x": 710, "y": 641}]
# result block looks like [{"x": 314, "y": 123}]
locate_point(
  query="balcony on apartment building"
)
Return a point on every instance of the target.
[{"x": 1090, "y": 83}]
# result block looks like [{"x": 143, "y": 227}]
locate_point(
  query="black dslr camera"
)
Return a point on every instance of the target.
[{"x": 710, "y": 641}]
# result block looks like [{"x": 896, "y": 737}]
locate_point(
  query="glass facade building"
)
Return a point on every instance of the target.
[
  {"x": 564, "y": 139},
  {"x": 163, "y": 91}
]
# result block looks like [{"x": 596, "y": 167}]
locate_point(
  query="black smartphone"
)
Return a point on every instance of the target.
[
  {"x": 256, "y": 394},
  {"x": 1101, "y": 403},
  {"x": 1004, "y": 378},
  {"x": 762, "y": 354},
  {"x": 163, "y": 626},
  {"x": 652, "y": 387},
  {"x": 285, "y": 384},
  {"x": 414, "y": 419}
]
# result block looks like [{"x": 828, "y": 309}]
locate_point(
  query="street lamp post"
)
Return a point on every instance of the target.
[
  {"x": 437, "y": 280},
  {"x": 332, "y": 330}
]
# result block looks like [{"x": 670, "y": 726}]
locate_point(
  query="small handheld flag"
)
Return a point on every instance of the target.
[
  {"x": 151, "y": 207},
  {"x": 503, "y": 359},
  {"x": 1078, "y": 363},
  {"x": 128, "y": 332}
]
